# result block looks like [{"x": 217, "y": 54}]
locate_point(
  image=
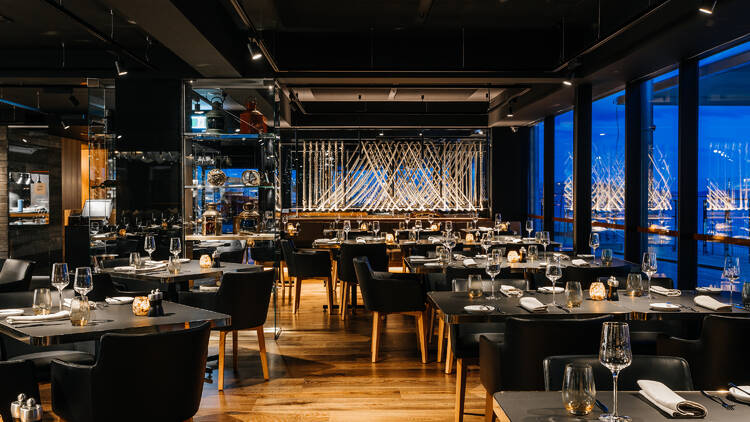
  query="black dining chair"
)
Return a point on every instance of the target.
[
  {"x": 515, "y": 363},
  {"x": 387, "y": 293},
  {"x": 377, "y": 256},
  {"x": 15, "y": 275},
  {"x": 307, "y": 265},
  {"x": 674, "y": 372},
  {"x": 17, "y": 377},
  {"x": 104, "y": 287},
  {"x": 718, "y": 356},
  {"x": 244, "y": 296},
  {"x": 132, "y": 367}
]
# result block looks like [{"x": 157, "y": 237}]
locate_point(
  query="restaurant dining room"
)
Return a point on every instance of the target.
[{"x": 334, "y": 211}]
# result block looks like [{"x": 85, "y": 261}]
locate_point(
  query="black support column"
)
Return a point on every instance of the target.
[
  {"x": 548, "y": 207},
  {"x": 582, "y": 168},
  {"x": 687, "y": 270},
  {"x": 637, "y": 143}
]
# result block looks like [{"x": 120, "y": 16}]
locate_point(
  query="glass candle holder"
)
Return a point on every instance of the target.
[
  {"x": 141, "y": 306},
  {"x": 205, "y": 261},
  {"x": 80, "y": 311},
  {"x": 597, "y": 291}
]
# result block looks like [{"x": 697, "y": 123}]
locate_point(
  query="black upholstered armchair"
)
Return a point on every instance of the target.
[
  {"x": 15, "y": 275},
  {"x": 718, "y": 356},
  {"x": 389, "y": 293},
  {"x": 244, "y": 296},
  {"x": 307, "y": 265},
  {"x": 376, "y": 255},
  {"x": 156, "y": 385},
  {"x": 18, "y": 377},
  {"x": 104, "y": 288}
]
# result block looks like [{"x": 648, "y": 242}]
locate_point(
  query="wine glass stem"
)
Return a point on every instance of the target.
[
  {"x": 553, "y": 292},
  {"x": 492, "y": 286},
  {"x": 59, "y": 293},
  {"x": 614, "y": 392}
]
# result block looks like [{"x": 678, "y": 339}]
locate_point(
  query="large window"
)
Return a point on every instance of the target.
[
  {"x": 608, "y": 171},
  {"x": 724, "y": 165},
  {"x": 659, "y": 122},
  {"x": 563, "y": 197},
  {"x": 536, "y": 176}
]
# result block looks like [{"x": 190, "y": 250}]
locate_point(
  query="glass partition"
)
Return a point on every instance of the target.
[
  {"x": 563, "y": 197},
  {"x": 536, "y": 176}
]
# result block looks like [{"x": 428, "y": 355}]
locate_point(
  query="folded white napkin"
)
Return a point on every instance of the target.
[
  {"x": 67, "y": 300},
  {"x": 739, "y": 394},
  {"x": 10, "y": 312},
  {"x": 666, "y": 292},
  {"x": 325, "y": 240},
  {"x": 669, "y": 401},
  {"x": 208, "y": 288},
  {"x": 708, "y": 289},
  {"x": 468, "y": 262},
  {"x": 37, "y": 318},
  {"x": 361, "y": 240},
  {"x": 532, "y": 304},
  {"x": 118, "y": 300},
  {"x": 562, "y": 255},
  {"x": 515, "y": 240},
  {"x": 510, "y": 290},
  {"x": 423, "y": 259},
  {"x": 548, "y": 289},
  {"x": 579, "y": 262},
  {"x": 432, "y": 264},
  {"x": 711, "y": 303}
]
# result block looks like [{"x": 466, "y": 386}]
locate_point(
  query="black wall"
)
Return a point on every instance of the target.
[{"x": 510, "y": 175}]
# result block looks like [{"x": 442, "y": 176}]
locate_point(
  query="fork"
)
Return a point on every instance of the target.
[{"x": 719, "y": 400}]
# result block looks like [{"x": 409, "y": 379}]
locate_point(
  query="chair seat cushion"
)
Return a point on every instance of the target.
[
  {"x": 41, "y": 360},
  {"x": 467, "y": 337}
]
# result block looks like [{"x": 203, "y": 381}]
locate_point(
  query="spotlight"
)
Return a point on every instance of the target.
[
  {"x": 510, "y": 111},
  {"x": 121, "y": 71},
  {"x": 707, "y": 7},
  {"x": 381, "y": 133},
  {"x": 119, "y": 136},
  {"x": 73, "y": 100},
  {"x": 514, "y": 129},
  {"x": 254, "y": 54},
  {"x": 237, "y": 130},
  {"x": 64, "y": 125},
  {"x": 567, "y": 82}
]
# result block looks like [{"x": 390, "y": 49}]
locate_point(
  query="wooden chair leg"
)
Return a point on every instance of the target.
[
  {"x": 449, "y": 354},
  {"x": 329, "y": 290},
  {"x": 460, "y": 389},
  {"x": 421, "y": 320},
  {"x": 235, "y": 350},
  {"x": 441, "y": 332},
  {"x": 377, "y": 325},
  {"x": 489, "y": 412},
  {"x": 263, "y": 357},
  {"x": 431, "y": 329},
  {"x": 297, "y": 293},
  {"x": 343, "y": 307},
  {"x": 222, "y": 343}
]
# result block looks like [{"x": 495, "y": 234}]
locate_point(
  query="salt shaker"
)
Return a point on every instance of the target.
[
  {"x": 15, "y": 407},
  {"x": 612, "y": 291},
  {"x": 31, "y": 411},
  {"x": 155, "y": 303}
]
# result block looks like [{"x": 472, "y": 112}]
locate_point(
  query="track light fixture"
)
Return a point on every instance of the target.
[
  {"x": 64, "y": 125},
  {"x": 567, "y": 82},
  {"x": 707, "y": 7},
  {"x": 121, "y": 71},
  {"x": 254, "y": 53}
]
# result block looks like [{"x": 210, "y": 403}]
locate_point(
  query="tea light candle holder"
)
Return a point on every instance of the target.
[
  {"x": 388, "y": 238},
  {"x": 597, "y": 291},
  {"x": 363, "y": 227},
  {"x": 141, "y": 306},
  {"x": 205, "y": 261},
  {"x": 513, "y": 257},
  {"x": 469, "y": 237}
]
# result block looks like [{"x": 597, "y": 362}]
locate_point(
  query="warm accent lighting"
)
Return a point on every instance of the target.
[
  {"x": 707, "y": 7},
  {"x": 205, "y": 261},
  {"x": 567, "y": 83},
  {"x": 597, "y": 291},
  {"x": 141, "y": 306},
  {"x": 254, "y": 54},
  {"x": 120, "y": 70}
]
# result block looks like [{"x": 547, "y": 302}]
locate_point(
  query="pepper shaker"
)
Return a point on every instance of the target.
[
  {"x": 612, "y": 291},
  {"x": 15, "y": 407},
  {"x": 155, "y": 299},
  {"x": 31, "y": 411}
]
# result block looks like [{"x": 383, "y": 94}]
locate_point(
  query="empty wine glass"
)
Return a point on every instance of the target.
[
  {"x": 594, "y": 243},
  {"x": 149, "y": 245},
  {"x": 449, "y": 227},
  {"x": 83, "y": 283},
  {"x": 418, "y": 225},
  {"x": 347, "y": 228},
  {"x": 529, "y": 226},
  {"x": 474, "y": 218},
  {"x": 175, "y": 247},
  {"x": 430, "y": 219},
  {"x": 615, "y": 354},
  {"x": 545, "y": 241},
  {"x": 376, "y": 227},
  {"x": 553, "y": 273},
  {"x": 450, "y": 243},
  {"x": 732, "y": 274},
  {"x": 493, "y": 269},
  {"x": 486, "y": 242},
  {"x": 406, "y": 220},
  {"x": 649, "y": 266},
  {"x": 59, "y": 279},
  {"x": 498, "y": 218},
  {"x": 359, "y": 223}
]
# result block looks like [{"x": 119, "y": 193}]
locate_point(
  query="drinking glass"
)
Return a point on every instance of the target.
[
  {"x": 475, "y": 286},
  {"x": 486, "y": 242},
  {"x": 83, "y": 283},
  {"x": 529, "y": 226},
  {"x": 545, "y": 241},
  {"x": 59, "y": 279},
  {"x": 376, "y": 227},
  {"x": 135, "y": 260},
  {"x": 441, "y": 252},
  {"x": 460, "y": 285},
  {"x": 498, "y": 218},
  {"x": 648, "y": 266},
  {"x": 594, "y": 243},
  {"x": 175, "y": 247},
  {"x": 430, "y": 219},
  {"x": 553, "y": 273},
  {"x": 42, "y": 304},
  {"x": 732, "y": 274},
  {"x": 493, "y": 269},
  {"x": 359, "y": 223},
  {"x": 475, "y": 218},
  {"x": 149, "y": 245},
  {"x": 418, "y": 225},
  {"x": 606, "y": 256},
  {"x": 80, "y": 311},
  {"x": 578, "y": 389},
  {"x": 449, "y": 227},
  {"x": 634, "y": 286},
  {"x": 615, "y": 354},
  {"x": 347, "y": 228},
  {"x": 573, "y": 294},
  {"x": 533, "y": 253}
]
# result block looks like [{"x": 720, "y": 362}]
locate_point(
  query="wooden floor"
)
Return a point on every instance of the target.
[{"x": 321, "y": 371}]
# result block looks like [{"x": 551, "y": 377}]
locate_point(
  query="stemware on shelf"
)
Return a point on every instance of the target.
[
  {"x": 376, "y": 227},
  {"x": 347, "y": 228},
  {"x": 615, "y": 354},
  {"x": 60, "y": 279},
  {"x": 449, "y": 226}
]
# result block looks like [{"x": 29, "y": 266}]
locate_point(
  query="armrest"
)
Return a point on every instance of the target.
[
  {"x": 203, "y": 300},
  {"x": 674, "y": 346},
  {"x": 71, "y": 390},
  {"x": 490, "y": 356}
]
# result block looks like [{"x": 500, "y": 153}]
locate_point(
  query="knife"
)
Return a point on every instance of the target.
[{"x": 601, "y": 406}]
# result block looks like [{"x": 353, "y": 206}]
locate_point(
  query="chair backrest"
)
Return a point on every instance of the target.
[
  {"x": 18, "y": 272},
  {"x": 722, "y": 355},
  {"x": 18, "y": 377},
  {"x": 366, "y": 282},
  {"x": 529, "y": 341},
  {"x": 264, "y": 252},
  {"x": 162, "y": 385},
  {"x": 234, "y": 256},
  {"x": 245, "y": 296},
  {"x": 518, "y": 283},
  {"x": 674, "y": 372},
  {"x": 287, "y": 249},
  {"x": 116, "y": 262},
  {"x": 587, "y": 275},
  {"x": 103, "y": 287},
  {"x": 375, "y": 253}
]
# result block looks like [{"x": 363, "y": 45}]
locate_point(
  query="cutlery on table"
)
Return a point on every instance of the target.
[
  {"x": 719, "y": 400},
  {"x": 601, "y": 406},
  {"x": 564, "y": 308}
]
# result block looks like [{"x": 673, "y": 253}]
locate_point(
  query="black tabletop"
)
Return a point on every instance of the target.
[
  {"x": 112, "y": 318},
  {"x": 537, "y": 265},
  {"x": 522, "y": 406},
  {"x": 188, "y": 271}
]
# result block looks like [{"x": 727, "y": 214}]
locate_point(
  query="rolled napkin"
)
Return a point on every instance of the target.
[
  {"x": 118, "y": 300},
  {"x": 144, "y": 269},
  {"x": 740, "y": 393},
  {"x": 423, "y": 259},
  {"x": 669, "y": 401},
  {"x": 585, "y": 255},
  {"x": 533, "y": 304},
  {"x": 208, "y": 288},
  {"x": 325, "y": 240},
  {"x": 665, "y": 291},
  {"x": 10, "y": 312},
  {"x": 579, "y": 262},
  {"x": 711, "y": 303},
  {"x": 19, "y": 319},
  {"x": 468, "y": 262}
]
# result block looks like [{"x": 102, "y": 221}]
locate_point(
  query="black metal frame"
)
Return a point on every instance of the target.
[
  {"x": 687, "y": 269},
  {"x": 582, "y": 168}
]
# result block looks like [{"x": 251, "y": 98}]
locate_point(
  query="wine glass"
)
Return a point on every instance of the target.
[
  {"x": 406, "y": 220},
  {"x": 450, "y": 243},
  {"x": 529, "y": 227},
  {"x": 83, "y": 283},
  {"x": 175, "y": 246},
  {"x": 732, "y": 274},
  {"x": 493, "y": 269},
  {"x": 649, "y": 266},
  {"x": 594, "y": 243},
  {"x": 474, "y": 218},
  {"x": 448, "y": 227},
  {"x": 615, "y": 354},
  {"x": 347, "y": 228},
  {"x": 59, "y": 279},
  {"x": 498, "y": 218},
  {"x": 336, "y": 221},
  {"x": 418, "y": 225},
  {"x": 149, "y": 245},
  {"x": 553, "y": 273},
  {"x": 545, "y": 241},
  {"x": 359, "y": 223},
  {"x": 376, "y": 227},
  {"x": 430, "y": 219},
  {"x": 486, "y": 242}
]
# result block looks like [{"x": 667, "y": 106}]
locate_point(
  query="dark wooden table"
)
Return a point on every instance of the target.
[
  {"x": 522, "y": 406},
  {"x": 112, "y": 318},
  {"x": 535, "y": 266}
]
